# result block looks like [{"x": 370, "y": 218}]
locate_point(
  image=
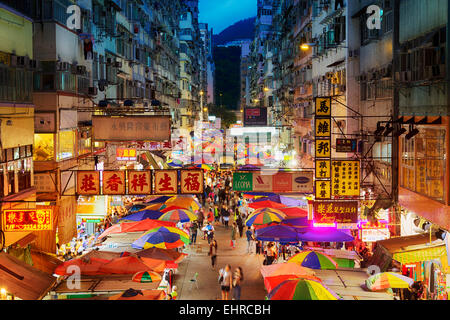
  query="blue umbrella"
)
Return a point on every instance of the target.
[
  {"x": 142, "y": 215},
  {"x": 136, "y": 207},
  {"x": 161, "y": 199},
  {"x": 296, "y": 222},
  {"x": 323, "y": 235},
  {"x": 277, "y": 233}
]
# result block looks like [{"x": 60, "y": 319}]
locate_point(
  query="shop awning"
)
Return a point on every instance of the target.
[
  {"x": 22, "y": 280},
  {"x": 424, "y": 254},
  {"x": 21, "y": 238}
]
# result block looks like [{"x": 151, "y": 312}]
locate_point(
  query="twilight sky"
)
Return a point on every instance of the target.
[{"x": 220, "y": 14}]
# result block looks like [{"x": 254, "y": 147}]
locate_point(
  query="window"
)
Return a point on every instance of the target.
[
  {"x": 423, "y": 163},
  {"x": 66, "y": 145},
  {"x": 44, "y": 147}
]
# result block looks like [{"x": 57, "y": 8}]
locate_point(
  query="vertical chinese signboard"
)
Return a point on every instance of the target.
[
  {"x": 139, "y": 182},
  {"x": 323, "y": 147},
  {"x": 346, "y": 178},
  {"x": 88, "y": 183},
  {"x": 113, "y": 182},
  {"x": 166, "y": 182},
  {"x": 27, "y": 220},
  {"x": 191, "y": 181}
]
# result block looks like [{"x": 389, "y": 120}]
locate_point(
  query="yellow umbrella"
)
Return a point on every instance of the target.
[{"x": 187, "y": 202}]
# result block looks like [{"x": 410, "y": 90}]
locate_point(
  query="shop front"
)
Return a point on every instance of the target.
[{"x": 91, "y": 212}]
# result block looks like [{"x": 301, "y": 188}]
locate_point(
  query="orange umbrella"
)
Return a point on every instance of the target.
[
  {"x": 271, "y": 282},
  {"x": 266, "y": 204},
  {"x": 87, "y": 266},
  {"x": 131, "y": 265},
  {"x": 132, "y": 294}
]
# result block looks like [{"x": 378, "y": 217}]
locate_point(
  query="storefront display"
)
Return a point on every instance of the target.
[
  {"x": 66, "y": 144},
  {"x": 44, "y": 147}
]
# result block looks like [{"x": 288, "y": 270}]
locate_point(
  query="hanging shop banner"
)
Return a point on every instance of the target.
[
  {"x": 139, "y": 182},
  {"x": 346, "y": 145},
  {"x": 323, "y": 169},
  {"x": 113, "y": 182},
  {"x": 242, "y": 181},
  {"x": 27, "y": 220},
  {"x": 323, "y": 107},
  {"x": 88, "y": 183},
  {"x": 323, "y": 148},
  {"x": 282, "y": 182},
  {"x": 323, "y": 127},
  {"x": 125, "y": 154},
  {"x": 346, "y": 178},
  {"x": 335, "y": 212},
  {"x": 262, "y": 182},
  {"x": 131, "y": 128},
  {"x": 374, "y": 233},
  {"x": 166, "y": 181},
  {"x": 191, "y": 181},
  {"x": 323, "y": 189},
  {"x": 303, "y": 182}
]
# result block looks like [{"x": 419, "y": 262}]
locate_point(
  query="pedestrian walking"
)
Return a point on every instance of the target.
[
  {"x": 216, "y": 213},
  {"x": 213, "y": 252},
  {"x": 209, "y": 231},
  {"x": 249, "y": 235},
  {"x": 238, "y": 277},
  {"x": 271, "y": 254},
  {"x": 240, "y": 225},
  {"x": 233, "y": 235},
  {"x": 225, "y": 216},
  {"x": 226, "y": 281},
  {"x": 193, "y": 229}
]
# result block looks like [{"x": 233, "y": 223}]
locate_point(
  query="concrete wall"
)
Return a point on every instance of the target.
[{"x": 16, "y": 34}]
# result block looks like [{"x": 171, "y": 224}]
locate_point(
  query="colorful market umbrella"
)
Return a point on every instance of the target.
[
  {"x": 178, "y": 215},
  {"x": 89, "y": 266},
  {"x": 141, "y": 215},
  {"x": 170, "y": 208},
  {"x": 175, "y": 163},
  {"x": 271, "y": 282},
  {"x": 266, "y": 204},
  {"x": 132, "y": 294},
  {"x": 187, "y": 202},
  {"x": 302, "y": 289},
  {"x": 286, "y": 268},
  {"x": 158, "y": 239},
  {"x": 264, "y": 216},
  {"x": 156, "y": 206},
  {"x": 183, "y": 234},
  {"x": 146, "y": 277},
  {"x": 294, "y": 212},
  {"x": 205, "y": 166},
  {"x": 385, "y": 280},
  {"x": 135, "y": 226},
  {"x": 314, "y": 260},
  {"x": 136, "y": 207}
]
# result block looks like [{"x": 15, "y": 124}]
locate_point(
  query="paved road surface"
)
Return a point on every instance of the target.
[{"x": 208, "y": 286}]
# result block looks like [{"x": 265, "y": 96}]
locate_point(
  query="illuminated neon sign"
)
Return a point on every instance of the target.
[{"x": 27, "y": 220}]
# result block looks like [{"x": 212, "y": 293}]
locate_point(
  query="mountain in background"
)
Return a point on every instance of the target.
[{"x": 244, "y": 29}]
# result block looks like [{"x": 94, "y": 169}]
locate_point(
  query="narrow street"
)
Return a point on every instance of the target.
[{"x": 208, "y": 287}]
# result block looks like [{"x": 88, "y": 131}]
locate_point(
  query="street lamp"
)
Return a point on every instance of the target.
[
  {"x": 307, "y": 46},
  {"x": 266, "y": 89}
]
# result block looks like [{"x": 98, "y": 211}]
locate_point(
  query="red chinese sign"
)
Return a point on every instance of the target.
[
  {"x": 191, "y": 181},
  {"x": 113, "y": 182},
  {"x": 88, "y": 182},
  {"x": 27, "y": 220},
  {"x": 166, "y": 181},
  {"x": 335, "y": 212},
  {"x": 139, "y": 182}
]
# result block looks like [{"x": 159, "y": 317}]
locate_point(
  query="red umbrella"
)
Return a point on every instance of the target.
[
  {"x": 171, "y": 208},
  {"x": 294, "y": 212},
  {"x": 131, "y": 265},
  {"x": 266, "y": 204}
]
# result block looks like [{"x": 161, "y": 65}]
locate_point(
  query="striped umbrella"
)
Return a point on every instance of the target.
[
  {"x": 184, "y": 236},
  {"x": 178, "y": 215},
  {"x": 264, "y": 216},
  {"x": 385, "y": 280},
  {"x": 146, "y": 276},
  {"x": 163, "y": 239},
  {"x": 187, "y": 202},
  {"x": 314, "y": 260},
  {"x": 302, "y": 289}
]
